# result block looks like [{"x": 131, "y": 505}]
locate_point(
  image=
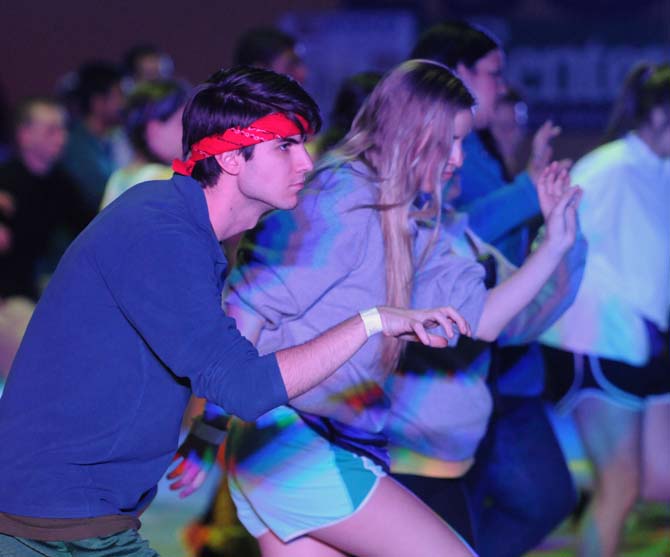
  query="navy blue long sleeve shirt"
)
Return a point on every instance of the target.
[{"x": 130, "y": 324}]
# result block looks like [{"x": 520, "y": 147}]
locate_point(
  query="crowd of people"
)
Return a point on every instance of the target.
[{"x": 379, "y": 315}]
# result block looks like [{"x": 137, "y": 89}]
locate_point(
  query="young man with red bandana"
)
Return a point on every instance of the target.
[{"x": 131, "y": 324}]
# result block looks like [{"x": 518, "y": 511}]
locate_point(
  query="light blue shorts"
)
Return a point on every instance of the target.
[{"x": 286, "y": 478}]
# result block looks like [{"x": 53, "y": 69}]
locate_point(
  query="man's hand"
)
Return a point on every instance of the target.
[
  {"x": 411, "y": 324},
  {"x": 196, "y": 458}
]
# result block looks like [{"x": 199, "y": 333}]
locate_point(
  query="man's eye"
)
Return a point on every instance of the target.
[{"x": 284, "y": 146}]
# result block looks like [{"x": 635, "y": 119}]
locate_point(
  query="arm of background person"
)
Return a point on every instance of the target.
[
  {"x": 552, "y": 300},
  {"x": 505, "y": 301},
  {"x": 510, "y": 205}
]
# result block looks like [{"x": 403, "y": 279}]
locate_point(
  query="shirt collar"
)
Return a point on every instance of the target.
[{"x": 194, "y": 196}]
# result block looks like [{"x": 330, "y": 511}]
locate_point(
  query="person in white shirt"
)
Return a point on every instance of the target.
[{"x": 610, "y": 349}]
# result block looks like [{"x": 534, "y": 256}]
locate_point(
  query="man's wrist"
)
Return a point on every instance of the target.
[{"x": 372, "y": 321}]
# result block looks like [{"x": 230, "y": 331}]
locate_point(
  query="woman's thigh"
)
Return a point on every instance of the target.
[
  {"x": 393, "y": 522},
  {"x": 656, "y": 450},
  {"x": 272, "y": 546},
  {"x": 611, "y": 434}
]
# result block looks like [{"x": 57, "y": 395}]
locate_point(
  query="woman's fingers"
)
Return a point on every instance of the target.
[
  {"x": 420, "y": 332},
  {"x": 456, "y": 317}
]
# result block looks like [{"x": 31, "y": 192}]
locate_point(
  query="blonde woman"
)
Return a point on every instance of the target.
[{"x": 311, "y": 479}]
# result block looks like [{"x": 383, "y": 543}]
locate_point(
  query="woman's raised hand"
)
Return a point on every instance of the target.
[{"x": 559, "y": 201}]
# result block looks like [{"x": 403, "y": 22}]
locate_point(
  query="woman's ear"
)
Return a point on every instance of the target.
[{"x": 231, "y": 162}]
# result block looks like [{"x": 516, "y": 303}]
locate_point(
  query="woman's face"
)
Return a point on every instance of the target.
[
  {"x": 485, "y": 80},
  {"x": 462, "y": 127},
  {"x": 164, "y": 138}
]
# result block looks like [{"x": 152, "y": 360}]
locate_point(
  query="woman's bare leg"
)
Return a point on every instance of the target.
[
  {"x": 655, "y": 485},
  {"x": 272, "y": 546},
  {"x": 611, "y": 435},
  {"x": 394, "y": 523}
]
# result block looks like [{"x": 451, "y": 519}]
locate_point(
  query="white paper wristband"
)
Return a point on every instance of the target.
[{"x": 372, "y": 321}]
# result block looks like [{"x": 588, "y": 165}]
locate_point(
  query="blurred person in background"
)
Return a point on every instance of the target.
[
  {"x": 523, "y": 507},
  {"x": 43, "y": 196},
  {"x": 608, "y": 355},
  {"x": 152, "y": 122},
  {"x": 95, "y": 147},
  {"x": 272, "y": 49},
  {"x": 5, "y": 126},
  {"x": 37, "y": 199},
  {"x": 145, "y": 62},
  {"x": 479, "y": 59}
]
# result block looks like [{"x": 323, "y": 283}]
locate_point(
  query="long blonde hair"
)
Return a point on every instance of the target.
[{"x": 403, "y": 133}]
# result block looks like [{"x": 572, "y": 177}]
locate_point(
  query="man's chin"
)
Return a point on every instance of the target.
[{"x": 289, "y": 203}]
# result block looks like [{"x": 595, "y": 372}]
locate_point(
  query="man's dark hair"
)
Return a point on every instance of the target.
[
  {"x": 260, "y": 47},
  {"x": 236, "y": 97},
  {"x": 454, "y": 42},
  {"x": 155, "y": 100},
  {"x": 22, "y": 112},
  {"x": 94, "y": 79}
]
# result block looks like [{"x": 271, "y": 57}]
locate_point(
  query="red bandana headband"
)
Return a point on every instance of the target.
[{"x": 267, "y": 128}]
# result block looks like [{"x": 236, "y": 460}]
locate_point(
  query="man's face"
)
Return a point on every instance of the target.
[
  {"x": 486, "y": 80},
  {"x": 44, "y": 135},
  {"x": 275, "y": 174}
]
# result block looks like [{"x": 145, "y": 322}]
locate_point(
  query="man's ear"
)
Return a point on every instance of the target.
[{"x": 231, "y": 162}]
